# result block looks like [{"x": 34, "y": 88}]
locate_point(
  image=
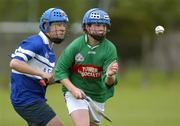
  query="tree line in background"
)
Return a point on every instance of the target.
[{"x": 131, "y": 19}]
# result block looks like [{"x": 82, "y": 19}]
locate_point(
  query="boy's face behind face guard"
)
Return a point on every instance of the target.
[
  {"x": 97, "y": 31},
  {"x": 57, "y": 32}
]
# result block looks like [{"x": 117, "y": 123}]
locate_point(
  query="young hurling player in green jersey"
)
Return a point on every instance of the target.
[{"x": 88, "y": 68}]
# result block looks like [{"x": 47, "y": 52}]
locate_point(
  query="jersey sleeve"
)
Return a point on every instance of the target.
[
  {"x": 26, "y": 50},
  {"x": 64, "y": 63},
  {"x": 109, "y": 58}
]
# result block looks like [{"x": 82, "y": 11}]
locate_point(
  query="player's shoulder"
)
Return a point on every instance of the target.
[
  {"x": 35, "y": 40},
  {"x": 77, "y": 41},
  {"x": 109, "y": 43}
]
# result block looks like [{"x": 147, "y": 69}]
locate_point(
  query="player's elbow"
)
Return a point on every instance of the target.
[{"x": 13, "y": 63}]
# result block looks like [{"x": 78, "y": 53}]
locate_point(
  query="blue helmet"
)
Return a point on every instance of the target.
[
  {"x": 96, "y": 15},
  {"x": 52, "y": 15}
]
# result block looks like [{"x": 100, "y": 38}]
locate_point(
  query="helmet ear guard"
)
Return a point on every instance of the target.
[{"x": 45, "y": 26}]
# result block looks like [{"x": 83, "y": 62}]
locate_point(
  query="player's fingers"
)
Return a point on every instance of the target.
[
  {"x": 114, "y": 68},
  {"x": 80, "y": 95},
  {"x": 83, "y": 95},
  {"x": 110, "y": 65},
  {"x": 114, "y": 64},
  {"x": 42, "y": 82},
  {"x": 77, "y": 94}
]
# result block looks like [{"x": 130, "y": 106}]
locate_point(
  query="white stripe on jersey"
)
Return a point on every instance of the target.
[
  {"x": 43, "y": 65},
  {"x": 20, "y": 55},
  {"x": 29, "y": 75},
  {"x": 40, "y": 64},
  {"x": 20, "y": 52},
  {"x": 44, "y": 60},
  {"x": 28, "y": 52}
]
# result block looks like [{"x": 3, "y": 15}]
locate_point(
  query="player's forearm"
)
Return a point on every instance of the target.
[
  {"x": 76, "y": 92},
  {"x": 67, "y": 83},
  {"x": 24, "y": 67},
  {"x": 110, "y": 80}
]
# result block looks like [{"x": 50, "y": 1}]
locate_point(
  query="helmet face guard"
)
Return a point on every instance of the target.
[
  {"x": 52, "y": 15},
  {"x": 56, "y": 32},
  {"x": 96, "y": 16}
]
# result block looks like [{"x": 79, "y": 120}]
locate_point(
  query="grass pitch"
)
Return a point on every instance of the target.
[{"x": 135, "y": 103}]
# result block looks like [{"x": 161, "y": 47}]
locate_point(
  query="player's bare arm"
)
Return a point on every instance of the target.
[
  {"x": 22, "y": 66},
  {"x": 77, "y": 93}
]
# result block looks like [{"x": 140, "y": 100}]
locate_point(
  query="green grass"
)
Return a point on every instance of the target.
[{"x": 155, "y": 103}]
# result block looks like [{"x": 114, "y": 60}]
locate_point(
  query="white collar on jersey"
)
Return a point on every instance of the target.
[
  {"x": 43, "y": 36},
  {"x": 91, "y": 47}
]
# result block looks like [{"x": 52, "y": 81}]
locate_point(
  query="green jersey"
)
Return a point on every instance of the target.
[{"x": 86, "y": 66}]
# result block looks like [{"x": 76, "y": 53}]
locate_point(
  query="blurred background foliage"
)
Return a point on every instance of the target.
[
  {"x": 132, "y": 30},
  {"x": 130, "y": 18}
]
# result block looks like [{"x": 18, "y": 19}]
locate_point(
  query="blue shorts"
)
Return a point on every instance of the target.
[{"x": 38, "y": 113}]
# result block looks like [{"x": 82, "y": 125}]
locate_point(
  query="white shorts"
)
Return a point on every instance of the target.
[{"x": 74, "y": 104}]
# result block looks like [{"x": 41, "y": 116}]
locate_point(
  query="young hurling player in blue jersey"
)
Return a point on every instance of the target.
[{"x": 33, "y": 60}]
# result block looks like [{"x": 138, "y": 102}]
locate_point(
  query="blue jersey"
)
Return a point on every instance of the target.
[{"x": 36, "y": 51}]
